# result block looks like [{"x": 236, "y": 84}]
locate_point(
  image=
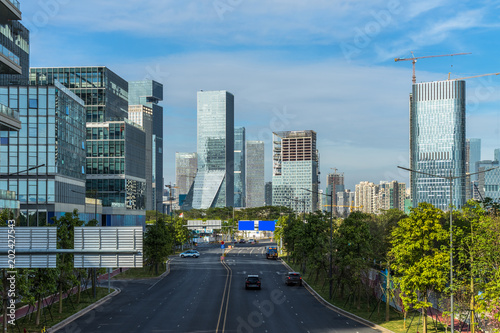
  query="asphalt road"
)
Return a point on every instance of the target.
[{"x": 204, "y": 295}]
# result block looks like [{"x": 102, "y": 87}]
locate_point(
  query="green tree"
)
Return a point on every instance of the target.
[
  {"x": 420, "y": 257},
  {"x": 156, "y": 244}
]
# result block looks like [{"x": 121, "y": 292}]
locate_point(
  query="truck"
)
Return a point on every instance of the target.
[{"x": 272, "y": 252}]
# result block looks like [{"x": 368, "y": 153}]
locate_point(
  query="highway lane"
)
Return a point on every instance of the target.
[
  {"x": 276, "y": 307},
  {"x": 203, "y": 295}
]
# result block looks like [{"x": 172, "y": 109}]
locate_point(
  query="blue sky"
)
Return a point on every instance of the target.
[{"x": 324, "y": 65}]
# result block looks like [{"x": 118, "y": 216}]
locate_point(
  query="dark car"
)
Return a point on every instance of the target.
[
  {"x": 242, "y": 240},
  {"x": 252, "y": 281},
  {"x": 293, "y": 278}
]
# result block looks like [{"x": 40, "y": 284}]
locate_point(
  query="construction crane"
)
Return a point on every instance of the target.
[
  {"x": 471, "y": 77},
  {"x": 414, "y": 60}
]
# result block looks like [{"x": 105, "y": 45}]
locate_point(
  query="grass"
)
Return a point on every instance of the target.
[
  {"x": 51, "y": 316},
  {"x": 374, "y": 311},
  {"x": 141, "y": 273}
]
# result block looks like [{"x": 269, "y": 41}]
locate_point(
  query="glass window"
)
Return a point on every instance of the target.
[{"x": 33, "y": 103}]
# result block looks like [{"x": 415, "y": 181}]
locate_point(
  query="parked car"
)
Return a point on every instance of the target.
[
  {"x": 251, "y": 241},
  {"x": 242, "y": 240},
  {"x": 293, "y": 278},
  {"x": 252, "y": 281},
  {"x": 190, "y": 253}
]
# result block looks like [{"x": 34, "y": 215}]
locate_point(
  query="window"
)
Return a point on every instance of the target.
[{"x": 33, "y": 103}]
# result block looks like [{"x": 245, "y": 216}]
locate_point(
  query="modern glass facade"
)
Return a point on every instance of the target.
[
  {"x": 104, "y": 93},
  {"x": 295, "y": 170},
  {"x": 489, "y": 182},
  {"x": 115, "y": 163},
  {"x": 44, "y": 163},
  {"x": 437, "y": 142},
  {"x": 149, "y": 93},
  {"x": 239, "y": 167},
  {"x": 14, "y": 52},
  {"x": 255, "y": 181},
  {"x": 186, "y": 165},
  {"x": 214, "y": 182}
]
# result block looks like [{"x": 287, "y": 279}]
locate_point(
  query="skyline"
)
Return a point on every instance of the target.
[{"x": 322, "y": 66}]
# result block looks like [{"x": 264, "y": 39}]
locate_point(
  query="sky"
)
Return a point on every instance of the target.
[{"x": 322, "y": 65}]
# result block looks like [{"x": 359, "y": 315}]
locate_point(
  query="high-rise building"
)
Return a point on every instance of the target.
[
  {"x": 364, "y": 196},
  {"x": 44, "y": 163},
  {"x": 148, "y": 94},
  {"x": 14, "y": 45},
  {"x": 239, "y": 167},
  {"x": 334, "y": 184},
  {"x": 295, "y": 170},
  {"x": 214, "y": 182},
  {"x": 116, "y": 160},
  {"x": 255, "y": 174},
  {"x": 472, "y": 155},
  {"x": 269, "y": 193},
  {"x": 186, "y": 165},
  {"x": 488, "y": 183},
  {"x": 437, "y": 142},
  {"x": 345, "y": 203}
]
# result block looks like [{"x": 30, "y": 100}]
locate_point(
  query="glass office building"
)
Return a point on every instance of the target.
[
  {"x": 239, "y": 167},
  {"x": 44, "y": 163},
  {"x": 149, "y": 93},
  {"x": 256, "y": 193},
  {"x": 214, "y": 182},
  {"x": 437, "y": 142},
  {"x": 488, "y": 184},
  {"x": 295, "y": 170}
]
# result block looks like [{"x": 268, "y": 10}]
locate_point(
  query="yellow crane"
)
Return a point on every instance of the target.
[
  {"x": 414, "y": 60},
  {"x": 471, "y": 77}
]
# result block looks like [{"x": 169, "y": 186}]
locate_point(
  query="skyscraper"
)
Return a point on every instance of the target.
[
  {"x": 186, "y": 165},
  {"x": 116, "y": 160},
  {"x": 437, "y": 142},
  {"x": 214, "y": 182},
  {"x": 295, "y": 170},
  {"x": 149, "y": 93},
  {"x": 255, "y": 174},
  {"x": 269, "y": 193},
  {"x": 472, "y": 156},
  {"x": 334, "y": 184},
  {"x": 239, "y": 167}
]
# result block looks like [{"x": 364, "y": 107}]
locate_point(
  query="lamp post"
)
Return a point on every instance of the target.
[
  {"x": 450, "y": 178},
  {"x": 331, "y": 237}
]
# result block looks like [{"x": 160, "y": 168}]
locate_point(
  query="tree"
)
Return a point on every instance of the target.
[
  {"x": 156, "y": 244},
  {"x": 420, "y": 257}
]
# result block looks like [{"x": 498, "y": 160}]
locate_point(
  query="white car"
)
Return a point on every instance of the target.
[{"x": 190, "y": 253}]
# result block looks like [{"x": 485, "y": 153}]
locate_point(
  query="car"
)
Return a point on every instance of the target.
[
  {"x": 190, "y": 253},
  {"x": 293, "y": 278},
  {"x": 242, "y": 240},
  {"x": 251, "y": 241},
  {"x": 252, "y": 281}
]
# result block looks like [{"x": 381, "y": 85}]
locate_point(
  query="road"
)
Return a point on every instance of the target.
[{"x": 204, "y": 295}]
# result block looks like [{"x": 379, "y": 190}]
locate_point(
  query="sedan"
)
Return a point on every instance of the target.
[{"x": 190, "y": 253}]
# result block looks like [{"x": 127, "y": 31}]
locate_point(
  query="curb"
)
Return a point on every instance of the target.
[
  {"x": 80, "y": 313},
  {"x": 337, "y": 309}
]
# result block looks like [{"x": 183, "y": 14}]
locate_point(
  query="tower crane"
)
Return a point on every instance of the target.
[
  {"x": 414, "y": 60},
  {"x": 471, "y": 77}
]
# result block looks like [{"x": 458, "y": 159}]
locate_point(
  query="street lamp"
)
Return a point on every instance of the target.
[
  {"x": 450, "y": 178},
  {"x": 331, "y": 237}
]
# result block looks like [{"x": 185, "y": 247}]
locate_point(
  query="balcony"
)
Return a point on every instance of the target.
[
  {"x": 9, "y": 10},
  {"x": 9, "y": 119},
  {"x": 9, "y": 62}
]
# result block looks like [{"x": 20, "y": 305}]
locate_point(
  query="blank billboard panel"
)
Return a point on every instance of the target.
[
  {"x": 246, "y": 225},
  {"x": 267, "y": 225}
]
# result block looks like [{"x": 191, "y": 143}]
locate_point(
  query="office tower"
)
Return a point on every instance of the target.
[
  {"x": 239, "y": 167},
  {"x": 334, "y": 184},
  {"x": 186, "y": 165},
  {"x": 148, "y": 94},
  {"x": 488, "y": 183},
  {"x": 116, "y": 160},
  {"x": 437, "y": 142},
  {"x": 295, "y": 170},
  {"x": 268, "y": 188},
  {"x": 472, "y": 155},
  {"x": 14, "y": 45},
  {"x": 255, "y": 174},
  {"x": 44, "y": 163},
  {"x": 214, "y": 182}
]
